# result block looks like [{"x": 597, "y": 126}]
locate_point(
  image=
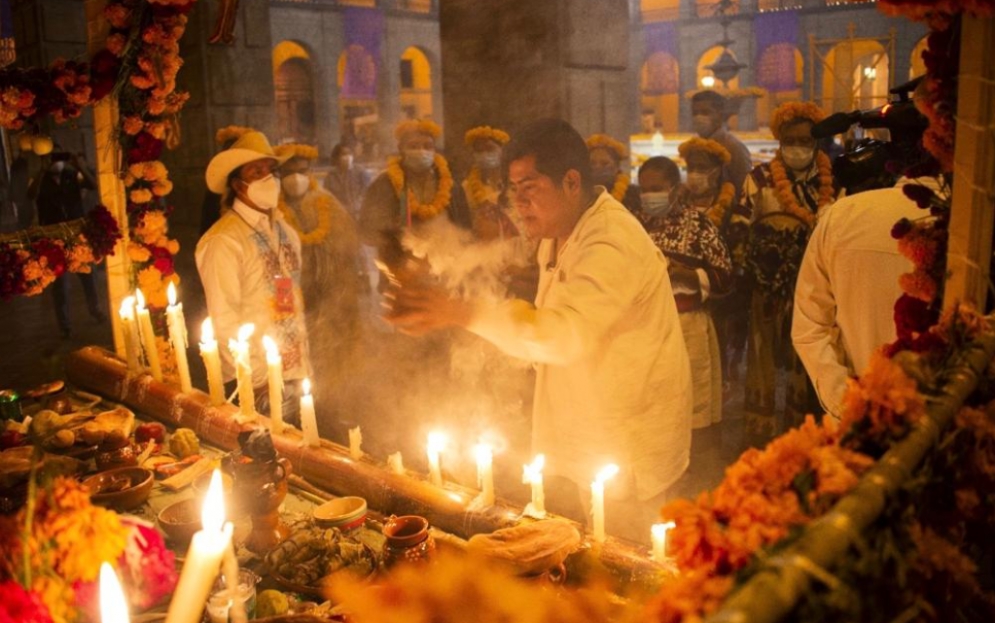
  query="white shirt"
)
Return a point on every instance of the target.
[
  {"x": 613, "y": 381},
  {"x": 238, "y": 284},
  {"x": 847, "y": 288}
]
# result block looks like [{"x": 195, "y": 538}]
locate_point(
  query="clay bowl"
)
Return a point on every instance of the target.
[
  {"x": 347, "y": 513},
  {"x": 123, "y": 488},
  {"x": 180, "y": 520}
]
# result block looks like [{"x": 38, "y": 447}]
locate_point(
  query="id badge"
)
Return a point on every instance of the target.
[{"x": 284, "y": 289}]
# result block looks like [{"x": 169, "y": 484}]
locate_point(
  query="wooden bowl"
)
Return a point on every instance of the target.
[
  {"x": 180, "y": 520},
  {"x": 123, "y": 488}
]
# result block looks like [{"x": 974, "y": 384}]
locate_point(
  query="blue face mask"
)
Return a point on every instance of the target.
[{"x": 656, "y": 204}]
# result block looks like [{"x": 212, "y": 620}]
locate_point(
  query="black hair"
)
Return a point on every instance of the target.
[
  {"x": 228, "y": 195},
  {"x": 663, "y": 165},
  {"x": 710, "y": 97},
  {"x": 337, "y": 150},
  {"x": 557, "y": 148}
]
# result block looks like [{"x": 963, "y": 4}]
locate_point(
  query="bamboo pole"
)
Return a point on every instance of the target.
[{"x": 775, "y": 590}]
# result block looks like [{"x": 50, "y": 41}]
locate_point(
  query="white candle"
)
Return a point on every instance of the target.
[
  {"x": 243, "y": 372},
  {"x": 659, "y": 533},
  {"x": 212, "y": 362},
  {"x": 355, "y": 443},
  {"x": 396, "y": 463},
  {"x": 274, "y": 364},
  {"x": 436, "y": 443},
  {"x": 309, "y": 422},
  {"x": 148, "y": 336},
  {"x": 532, "y": 475},
  {"x": 485, "y": 473},
  {"x": 236, "y": 605},
  {"x": 178, "y": 337},
  {"x": 132, "y": 343},
  {"x": 113, "y": 606},
  {"x": 598, "y": 500},
  {"x": 207, "y": 548}
]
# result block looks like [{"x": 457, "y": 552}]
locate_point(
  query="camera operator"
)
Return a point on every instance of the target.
[{"x": 848, "y": 282}]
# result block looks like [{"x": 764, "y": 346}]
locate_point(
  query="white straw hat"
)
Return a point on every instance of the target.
[{"x": 250, "y": 147}]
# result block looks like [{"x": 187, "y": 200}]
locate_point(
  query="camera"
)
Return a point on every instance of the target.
[{"x": 865, "y": 165}]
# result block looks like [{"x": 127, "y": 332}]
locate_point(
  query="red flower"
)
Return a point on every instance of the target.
[
  {"x": 54, "y": 253},
  {"x": 144, "y": 148},
  {"x": 146, "y": 566},
  {"x": 20, "y": 606},
  {"x": 912, "y": 316},
  {"x": 104, "y": 70},
  {"x": 923, "y": 196},
  {"x": 162, "y": 259}
]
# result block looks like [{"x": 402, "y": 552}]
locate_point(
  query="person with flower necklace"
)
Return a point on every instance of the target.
[
  {"x": 784, "y": 198},
  {"x": 712, "y": 195},
  {"x": 606, "y": 159},
  {"x": 330, "y": 267},
  {"x": 484, "y": 185},
  {"x": 416, "y": 188}
]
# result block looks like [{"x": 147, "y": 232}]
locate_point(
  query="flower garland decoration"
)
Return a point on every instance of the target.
[
  {"x": 620, "y": 186},
  {"x": 230, "y": 134},
  {"x": 603, "y": 141},
  {"x": 424, "y": 126},
  {"x": 791, "y": 111},
  {"x": 307, "y": 152},
  {"x": 443, "y": 192},
  {"x": 786, "y": 198},
  {"x": 477, "y": 189},
  {"x": 717, "y": 212},
  {"x": 707, "y": 146},
  {"x": 485, "y": 132},
  {"x": 322, "y": 203}
]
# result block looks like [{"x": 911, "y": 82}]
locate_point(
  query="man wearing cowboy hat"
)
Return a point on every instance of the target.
[{"x": 250, "y": 265}]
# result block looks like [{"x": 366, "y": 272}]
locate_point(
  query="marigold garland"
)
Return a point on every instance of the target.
[
  {"x": 791, "y": 111},
  {"x": 485, "y": 132},
  {"x": 603, "y": 141},
  {"x": 230, "y": 133},
  {"x": 425, "y": 126},
  {"x": 322, "y": 203},
  {"x": 620, "y": 186},
  {"x": 297, "y": 150},
  {"x": 477, "y": 189},
  {"x": 717, "y": 212},
  {"x": 786, "y": 198},
  {"x": 712, "y": 148},
  {"x": 443, "y": 192}
]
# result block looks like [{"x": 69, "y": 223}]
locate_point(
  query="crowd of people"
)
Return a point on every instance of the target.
[{"x": 636, "y": 308}]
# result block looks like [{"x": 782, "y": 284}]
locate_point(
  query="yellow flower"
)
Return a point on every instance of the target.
[
  {"x": 133, "y": 125},
  {"x": 603, "y": 141},
  {"x": 138, "y": 253},
  {"x": 140, "y": 195},
  {"x": 161, "y": 188},
  {"x": 790, "y": 111},
  {"x": 706, "y": 146},
  {"x": 485, "y": 132}
]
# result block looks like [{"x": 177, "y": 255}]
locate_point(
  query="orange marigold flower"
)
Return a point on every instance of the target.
[
  {"x": 132, "y": 125},
  {"x": 918, "y": 284},
  {"x": 140, "y": 195},
  {"x": 885, "y": 398}
]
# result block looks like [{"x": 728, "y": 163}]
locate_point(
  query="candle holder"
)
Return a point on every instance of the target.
[{"x": 259, "y": 483}]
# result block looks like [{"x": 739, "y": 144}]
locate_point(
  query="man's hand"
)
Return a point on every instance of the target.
[
  {"x": 420, "y": 310},
  {"x": 684, "y": 280}
]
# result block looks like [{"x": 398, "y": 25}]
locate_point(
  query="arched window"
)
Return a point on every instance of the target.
[
  {"x": 294, "y": 91},
  {"x": 780, "y": 71},
  {"x": 660, "y": 10},
  {"x": 917, "y": 66},
  {"x": 856, "y": 76},
  {"x": 416, "y": 84},
  {"x": 660, "y": 89},
  {"x": 358, "y": 119}
]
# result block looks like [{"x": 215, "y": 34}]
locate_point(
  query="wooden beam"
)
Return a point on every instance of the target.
[{"x": 973, "y": 210}]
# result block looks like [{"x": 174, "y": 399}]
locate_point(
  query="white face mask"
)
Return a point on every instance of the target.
[
  {"x": 265, "y": 193},
  {"x": 419, "y": 160},
  {"x": 346, "y": 162},
  {"x": 699, "y": 183},
  {"x": 656, "y": 204},
  {"x": 295, "y": 184},
  {"x": 702, "y": 125},
  {"x": 798, "y": 158},
  {"x": 58, "y": 167},
  {"x": 487, "y": 160},
  {"x": 604, "y": 176}
]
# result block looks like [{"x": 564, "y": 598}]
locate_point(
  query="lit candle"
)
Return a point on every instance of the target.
[
  {"x": 598, "y": 500},
  {"x": 274, "y": 364},
  {"x": 148, "y": 336},
  {"x": 178, "y": 337},
  {"x": 659, "y": 533},
  {"x": 236, "y": 604},
  {"x": 355, "y": 443},
  {"x": 113, "y": 607},
  {"x": 243, "y": 372},
  {"x": 533, "y": 475},
  {"x": 436, "y": 443},
  {"x": 207, "y": 548},
  {"x": 485, "y": 473},
  {"x": 309, "y": 422},
  {"x": 212, "y": 362},
  {"x": 396, "y": 463},
  {"x": 132, "y": 343}
]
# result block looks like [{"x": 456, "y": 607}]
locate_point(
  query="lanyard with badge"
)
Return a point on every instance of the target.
[{"x": 281, "y": 264}]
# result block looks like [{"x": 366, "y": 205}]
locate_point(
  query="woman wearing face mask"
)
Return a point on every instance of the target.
[
  {"x": 784, "y": 198},
  {"x": 606, "y": 158},
  {"x": 484, "y": 185},
  {"x": 699, "y": 268},
  {"x": 346, "y": 180},
  {"x": 416, "y": 188},
  {"x": 330, "y": 268}
]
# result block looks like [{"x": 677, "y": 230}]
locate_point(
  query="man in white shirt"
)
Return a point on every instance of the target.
[
  {"x": 613, "y": 381},
  {"x": 847, "y": 287},
  {"x": 250, "y": 265}
]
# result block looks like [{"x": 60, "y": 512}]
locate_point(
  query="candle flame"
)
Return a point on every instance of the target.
[
  {"x": 306, "y": 385},
  {"x": 245, "y": 332},
  {"x": 171, "y": 294},
  {"x": 139, "y": 300},
  {"x": 128, "y": 307},
  {"x": 436, "y": 442},
  {"x": 607, "y": 472},
  {"x": 272, "y": 352},
  {"x": 212, "y": 514},
  {"x": 207, "y": 331},
  {"x": 113, "y": 607},
  {"x": 533, "y": 471},
  {"x": 659, "y": 530},
  {"x": 483, "y": 453}
]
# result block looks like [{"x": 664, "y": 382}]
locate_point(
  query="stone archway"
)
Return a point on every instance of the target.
[{"x": 293, "y": 81}]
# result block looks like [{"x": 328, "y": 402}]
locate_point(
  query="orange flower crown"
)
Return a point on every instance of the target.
[
  {"x": 424, "y": 126},
  {"x": 230, "y": 133},
  {"x": 297, "y": 150},
  {"x": 485, "y": 132},
  {"x": 604, "y": 141},
  {"x": 793, "y": 111},
  {"x": 706, "y": 146}
]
